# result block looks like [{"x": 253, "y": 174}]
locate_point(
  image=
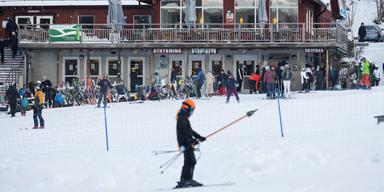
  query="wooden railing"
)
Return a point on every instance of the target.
[{"x": 288, "y": 32}]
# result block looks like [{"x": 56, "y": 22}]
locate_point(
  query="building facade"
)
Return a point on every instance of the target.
[{"x": 156, "y": 38}]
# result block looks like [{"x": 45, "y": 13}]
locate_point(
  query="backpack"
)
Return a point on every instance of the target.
[{"x": 24, "y": 102}]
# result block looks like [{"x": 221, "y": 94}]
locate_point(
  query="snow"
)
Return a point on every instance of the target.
[
  {"x": 331, "y": 143},
  {"x": 9, "y": 3}
]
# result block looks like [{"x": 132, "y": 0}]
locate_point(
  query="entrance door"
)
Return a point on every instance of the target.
[
  {"x": 177, "y": 67},
  {"x": 93, "y": 68},
  {"x": 196, "y": 64},
  {"x": 136, "y": 73},
  {"x": 71, "y": 70},
  {"x": 249, "y": 67}
]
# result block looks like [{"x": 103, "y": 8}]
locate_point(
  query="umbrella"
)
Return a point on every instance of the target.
[
  {"x": 115, "y": 13},
  {"x": 190, "y": 16},
  {"x": 262, "y": 13}
]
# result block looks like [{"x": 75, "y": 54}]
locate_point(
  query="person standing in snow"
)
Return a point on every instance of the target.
[
  {"x": 12, "y": 95},
  {"x": 231, "y": 87},
  {"x": 210, "y": 79},
  {"x": 287, "y": 77},
  {"x": 376, "y": 76},
  {"x": 187, "y": 138},
  {"x": 38, "y": 106},
  {"x": 362, "y": 33},
  {"x": 365, "y": 82},
  {"x": 200, "y": 78},
  {"x": 269, "y": 81},
  {"x": 104, "y": 84},
  {"x": 304, "y": 80}
]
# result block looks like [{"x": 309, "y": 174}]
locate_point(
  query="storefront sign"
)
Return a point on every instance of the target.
[
  {"x": 59, "y": 33},
  {"x": 167, "y": 51},
  {"x": 314, "y": 50},
  {"x": 204, "y": 51}
]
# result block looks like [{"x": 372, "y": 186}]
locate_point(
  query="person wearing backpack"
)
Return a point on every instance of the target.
[{"x": 38, "y": 106}]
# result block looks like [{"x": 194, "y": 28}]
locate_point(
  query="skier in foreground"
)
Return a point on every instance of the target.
[{"x": 187, "y": 139}]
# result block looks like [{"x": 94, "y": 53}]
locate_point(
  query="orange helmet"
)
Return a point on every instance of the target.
[{"x": 188, "y": 104}]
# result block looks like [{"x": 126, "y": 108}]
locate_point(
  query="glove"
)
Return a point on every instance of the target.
[
  {"x": 182, "y": 148},
  {"x": 201, "y": 139}
]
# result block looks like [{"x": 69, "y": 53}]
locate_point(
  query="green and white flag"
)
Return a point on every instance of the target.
[{"x": 59, "y": 33}]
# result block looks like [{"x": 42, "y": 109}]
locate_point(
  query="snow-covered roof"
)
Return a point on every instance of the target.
[{"x": 9, "y": 3}]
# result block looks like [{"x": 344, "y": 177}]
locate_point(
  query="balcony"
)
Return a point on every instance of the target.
[{"x": 298, "y": 35}]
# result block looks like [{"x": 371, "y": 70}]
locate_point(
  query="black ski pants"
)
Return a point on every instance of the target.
[
  {"x": 12, "y": 105},
  {"x": 189, "y": 165}
]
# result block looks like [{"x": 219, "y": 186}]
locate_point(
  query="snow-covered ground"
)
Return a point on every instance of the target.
[{"x": 331, "y": 143}]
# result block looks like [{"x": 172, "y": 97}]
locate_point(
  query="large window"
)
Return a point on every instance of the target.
[
  {"x": 246, "y": 11},
  {"x": 207, "y": 11},
  {"x": 283, "y": 11},
  {"x": 71, "y": 74},
  {"x": 87, "y": 21}
]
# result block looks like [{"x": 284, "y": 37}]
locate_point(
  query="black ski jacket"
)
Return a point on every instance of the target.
[{"x": 186, "y": 136}]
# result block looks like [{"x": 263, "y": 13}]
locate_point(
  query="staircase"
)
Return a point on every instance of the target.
[{"x": 11, "y": 69}]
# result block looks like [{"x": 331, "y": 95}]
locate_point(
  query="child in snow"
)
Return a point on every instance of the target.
[
  {"x": 231, "y": 87},
  {"x": 24, "y": 105},
  {"x": 187, "y": 138}
]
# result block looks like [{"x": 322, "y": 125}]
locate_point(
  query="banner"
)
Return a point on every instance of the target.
[{"x": 59, "y": 33}]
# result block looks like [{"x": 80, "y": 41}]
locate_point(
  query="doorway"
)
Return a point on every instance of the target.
[{"x": 136, "y": 66}]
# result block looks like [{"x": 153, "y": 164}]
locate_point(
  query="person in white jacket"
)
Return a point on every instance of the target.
[
  {"x": 304, "y": 80},
  {"x": 376, "y": 76},
  {"x": 209, "y": 80}
]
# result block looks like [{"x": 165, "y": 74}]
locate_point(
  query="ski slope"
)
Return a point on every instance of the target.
[{"x": 331, "y": 143}]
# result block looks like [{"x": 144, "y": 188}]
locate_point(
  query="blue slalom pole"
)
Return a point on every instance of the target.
[
  {"x": 106, "y": 125},
  {"x": 281, "y": 122}
]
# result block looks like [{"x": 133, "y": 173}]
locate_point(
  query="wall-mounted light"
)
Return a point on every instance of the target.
[
  {"x": 294, "y": 57},
  {"x": 229, "y": 57},
  {"x": 81, "y": 57}
]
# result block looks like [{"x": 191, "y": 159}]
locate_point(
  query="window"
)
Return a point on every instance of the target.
[
  {"x": 246, "y": 11},
  {"x": 87, "y": 21},
  {"x": 71, "y": 74},
  {"x": 93, "y": 67},
  {"x": 207, "y": 11},
  {"x": 245, "y": 3},
  {"x": 216, "y": 67},
  {"x": 114, "y": 67},
  {"x": 141, "y": 19},
  {"x": 283, "y": 11},
  {"x": 177, "y": 66}
]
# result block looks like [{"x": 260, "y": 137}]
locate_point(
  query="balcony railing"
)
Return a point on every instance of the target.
[{"x": 207, "y": 33}]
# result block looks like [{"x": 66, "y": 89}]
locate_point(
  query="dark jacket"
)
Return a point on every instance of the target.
[
  {"x": 200, "y": 77},
  {"x": 240, "y": 73},
  {"x": 223, "y": 78},
  {"x": 104, "y": 85},
  {"x": 287, "y": 75},
  {"x": 11, "y": 27},
  {"x": 186, "y": 136},
  {"x": 12, "y": 94},
  {"x": 232, "y": 83},
  {"x": 45, "y": 85},
  {"x": 362, "y": 32}
]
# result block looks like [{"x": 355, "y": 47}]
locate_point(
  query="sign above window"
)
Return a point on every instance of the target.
[
  {"x": 314, "y": 50},
  {"x": 204, "y": 51},
  {"x": 167, "y": 51}
]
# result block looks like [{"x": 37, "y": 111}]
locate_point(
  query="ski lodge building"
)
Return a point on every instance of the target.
[{"x": 66, "y": 40}]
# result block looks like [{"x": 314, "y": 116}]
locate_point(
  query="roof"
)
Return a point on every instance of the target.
[{"x": 8, "y": 3}]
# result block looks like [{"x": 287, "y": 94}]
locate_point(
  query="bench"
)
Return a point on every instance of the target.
[{"x": 380, "y": 118}]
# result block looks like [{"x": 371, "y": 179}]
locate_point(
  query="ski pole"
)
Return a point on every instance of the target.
[
  {"x": 249, "y": 114},
  {"x": 169, "y": 162},
  {"x": 164, "y": 152}
]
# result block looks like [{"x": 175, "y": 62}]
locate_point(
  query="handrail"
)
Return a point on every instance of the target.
[{"x": 208, "y": 32}]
